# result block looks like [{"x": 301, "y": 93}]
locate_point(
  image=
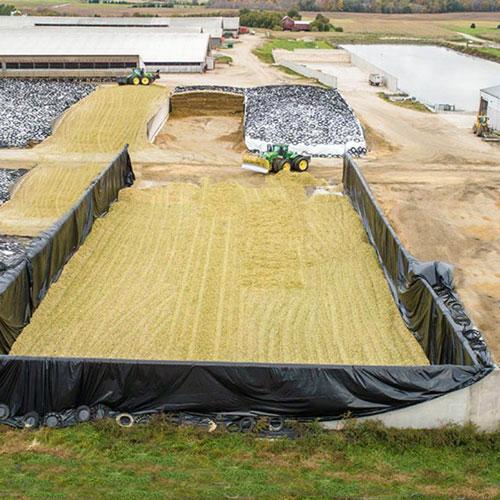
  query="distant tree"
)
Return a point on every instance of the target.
[
  {"x": 6, "y": 10},
  {"x": 294, "y": 14},
  {"x": 473, "y": 26},
  {"x": 321, "y": 23}
]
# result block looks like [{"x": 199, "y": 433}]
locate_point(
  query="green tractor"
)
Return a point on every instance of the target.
[
  {"x": 277, "y": 157},
  {"x": 138, "y": 77}
]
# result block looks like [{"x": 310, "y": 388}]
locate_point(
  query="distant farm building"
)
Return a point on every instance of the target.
[
  {"x": 92, "y": 52},
  {"x": 489, "y": 105},
  {"x": 215, "y": 27},
  {"x": 289, "y": 24}
]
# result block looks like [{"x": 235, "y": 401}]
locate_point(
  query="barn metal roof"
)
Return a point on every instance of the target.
[
  {"x": 492, "y": 91},
  {"x": 231, "y": 23},
  {"x": 157, "y": 46},
  {"x": 211, "y": 25}
]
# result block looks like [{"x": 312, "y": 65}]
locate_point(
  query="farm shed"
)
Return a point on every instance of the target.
[
  {"x": 231, "y": 25},
  {"x": 93, "y": 52},
  {"x": 489, "y": 105},
  {"x": 290, "y": 24}
]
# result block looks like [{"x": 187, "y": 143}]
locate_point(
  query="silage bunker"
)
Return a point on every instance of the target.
[
  {"x": 309, "y": 119},
  {"x": 59, "y": 390}
]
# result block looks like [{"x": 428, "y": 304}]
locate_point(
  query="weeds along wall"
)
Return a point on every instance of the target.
[
  {"x": 23, "y": 287},
  {"x": 423, "y": 291},
  {"x": 63, "y": 391}
]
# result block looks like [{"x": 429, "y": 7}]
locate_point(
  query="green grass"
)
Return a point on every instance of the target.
[
  {"x": 158, "y": 460},
  {"x": 265, "y": 52},
  {"x": 487, "y": 31},
  {"x": 490, "y": 51},
  {"x": 408, "y": 104},
  {"x": 224, "y": 59}
]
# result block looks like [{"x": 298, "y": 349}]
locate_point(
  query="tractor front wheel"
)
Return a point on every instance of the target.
[
  {"x": 276, "y": 165},
  {"x": 285, "y": 165},
  {"x": 300, "y": 164},
  {"x": 145, "y": 80},
  {"x": 136, "y": 80}
]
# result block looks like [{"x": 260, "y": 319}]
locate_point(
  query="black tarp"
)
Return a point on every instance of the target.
[
  {"x": 57, "y": 384},
  {"x": 61, "y": 385},
  {"x": 23, "y": 287},
  {"x": 423, "y": 291}
]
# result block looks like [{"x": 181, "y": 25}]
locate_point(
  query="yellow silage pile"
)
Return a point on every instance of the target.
[
  {"x": 107, "y": 119},
  {"x": 45, "y": 194},
  {"x": 87, "y": 138},
  {"x": 228, "y": 273}
]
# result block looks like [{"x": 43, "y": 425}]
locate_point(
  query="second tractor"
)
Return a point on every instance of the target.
[{"x": 277, "y": 157}]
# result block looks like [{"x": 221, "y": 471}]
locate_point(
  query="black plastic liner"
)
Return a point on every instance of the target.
[
  {"x": 53, "y": 391},
  {"x": 423, "y": 291},
  {"x": 23, "y": 287}
]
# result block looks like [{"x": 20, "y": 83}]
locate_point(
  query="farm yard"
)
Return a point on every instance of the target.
[{"x": 198, "y": 299}]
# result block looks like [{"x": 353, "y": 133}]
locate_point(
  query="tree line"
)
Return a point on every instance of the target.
[{"x": 376, "y": 6}]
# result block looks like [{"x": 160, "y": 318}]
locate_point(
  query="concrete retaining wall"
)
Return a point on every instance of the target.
[
  {"x": 324, "y": 78},
  {"x": 156, "y": 123},
  {"x": 390, "y": 81},
  {"x": 478, "y": 404}
]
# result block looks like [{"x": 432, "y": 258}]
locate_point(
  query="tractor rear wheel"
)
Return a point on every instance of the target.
[
  {"x": 145, "y": 80},
  {"x": 300, "y": 164},
  {"x": 136, "y": 80}
]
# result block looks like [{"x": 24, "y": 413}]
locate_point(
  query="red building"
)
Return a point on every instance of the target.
[{"x": 289, "y": 24}]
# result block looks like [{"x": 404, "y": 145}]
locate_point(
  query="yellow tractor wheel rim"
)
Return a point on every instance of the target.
[
  {"x": 287, "y": 166},
  {"x": 136, "y": 80},
  {"x": 302, "y": 165},
  {"x": 145, "y": 81}
]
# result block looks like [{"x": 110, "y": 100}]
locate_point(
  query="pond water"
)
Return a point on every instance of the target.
[{"x": 434, "y": 75}]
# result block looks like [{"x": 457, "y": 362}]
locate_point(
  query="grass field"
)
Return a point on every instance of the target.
[
  {"x": 265, "y": 52},
  {"x": 161, "y": 461},
  {"x": 227, "y": 273},
  {"x": 483, "y": 29},
  {"x": 408, "y": 104}
]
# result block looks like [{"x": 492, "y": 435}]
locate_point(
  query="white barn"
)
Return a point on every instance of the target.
[
  {"x": 489, "y": 105},
  {"x": 96, "y": 52}
]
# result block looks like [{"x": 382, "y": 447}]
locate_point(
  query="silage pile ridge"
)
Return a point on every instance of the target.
[
  {"x": 228, "y": 273},
  {"x": 111, "y": 117},
  {"x": 46, "y": 193},
  {"x": 104, "y": 122}
]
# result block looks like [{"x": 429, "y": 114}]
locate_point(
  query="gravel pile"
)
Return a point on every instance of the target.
[
  {"x": 29, "y": 108},
  {"x": 309, "y": 119},
  {"x": 8, "y": 178}
]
